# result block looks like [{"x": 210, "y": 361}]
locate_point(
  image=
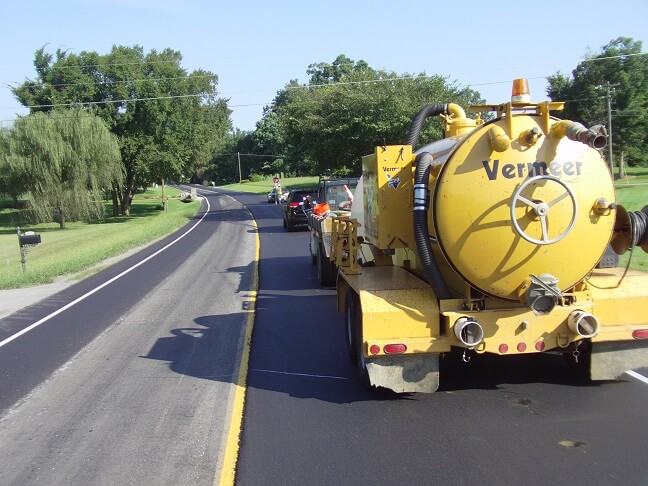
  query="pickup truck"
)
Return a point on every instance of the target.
[{"x": 334, "y": 198}]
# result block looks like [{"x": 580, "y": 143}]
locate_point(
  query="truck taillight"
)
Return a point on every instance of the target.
[
  {"x": 640, "y": 334},
  {"x": 394, "y": 348}
]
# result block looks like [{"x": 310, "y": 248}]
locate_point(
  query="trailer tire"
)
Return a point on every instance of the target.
[
  {"x": 351, "y": 306},
  {"x": 326, "y": 269},
  {"x": 353, "y": 320}
]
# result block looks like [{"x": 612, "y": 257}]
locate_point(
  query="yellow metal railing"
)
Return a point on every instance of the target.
[{"x": 344, "y": 244}]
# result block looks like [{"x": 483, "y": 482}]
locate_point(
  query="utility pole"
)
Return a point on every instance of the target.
[
  {"x": 238, "y": 156},
  {"x": 609, "y": 110}
]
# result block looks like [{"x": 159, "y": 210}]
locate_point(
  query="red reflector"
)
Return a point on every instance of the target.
[
  {"x": 640, "y": 334},
  {"x": 521, "y": 347},
  {"x": 374, "y": 349},
  {"x": 503, "y": 348},
  {"x": 294, "y": 205},
  {"x": 540, "y": 345},
  {"x": 394, "y": 348}
]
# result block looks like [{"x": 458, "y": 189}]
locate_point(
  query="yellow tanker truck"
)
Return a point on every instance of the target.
[{"x": 489, "y": 240}]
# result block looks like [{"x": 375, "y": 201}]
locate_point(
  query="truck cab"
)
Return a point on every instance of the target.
[{"x": 334, "y": 199}]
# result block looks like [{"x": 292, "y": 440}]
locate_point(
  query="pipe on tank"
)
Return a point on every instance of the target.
[
  {"x": 497, "y": 139},
  {"x": 424, "y": 113},
  {"x": 594, "y": 137},
  {"x": 583, "y": 323},
  {"x": 469, "y": 332},
  {"x": 424, "y": 164}
]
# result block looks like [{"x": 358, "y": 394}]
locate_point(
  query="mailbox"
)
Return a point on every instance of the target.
[{"x": 29, "y": 238}]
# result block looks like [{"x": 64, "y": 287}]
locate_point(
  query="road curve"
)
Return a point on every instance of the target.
[{"x": 140, "y": 387}]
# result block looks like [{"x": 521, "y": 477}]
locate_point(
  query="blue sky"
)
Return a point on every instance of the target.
[{"x": 256, "y": 47}]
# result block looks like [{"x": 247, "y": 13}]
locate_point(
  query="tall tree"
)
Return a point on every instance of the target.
[
  {"x": 620, "y": 69},
  {"x": 168, "y": 121},
  {"x": 70, "y": 157},
  {"x": 348, "y": 108}
]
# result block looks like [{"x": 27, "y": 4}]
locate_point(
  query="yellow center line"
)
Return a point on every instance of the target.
[{"x": 228, "y": 471}]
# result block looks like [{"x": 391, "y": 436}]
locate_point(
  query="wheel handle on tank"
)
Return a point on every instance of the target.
[{"x": 541, "y": 209}]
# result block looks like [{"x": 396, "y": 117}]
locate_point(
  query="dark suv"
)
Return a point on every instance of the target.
[{"x": 297, "y": 206}]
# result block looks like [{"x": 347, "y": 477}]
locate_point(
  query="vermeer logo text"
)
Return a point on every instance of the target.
[{"x": 530, "y": 169}]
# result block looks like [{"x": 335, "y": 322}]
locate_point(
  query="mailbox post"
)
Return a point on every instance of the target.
[{"x": 26, "y": 240}]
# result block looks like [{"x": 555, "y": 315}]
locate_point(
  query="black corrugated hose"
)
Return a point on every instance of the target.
[
  {"x": 417, "y": 122},
  {"x": 424, "y": 163},
  {"x": 639, "y": 225}
]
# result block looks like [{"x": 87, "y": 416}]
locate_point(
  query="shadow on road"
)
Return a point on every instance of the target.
[{"x": 298, "y": 347}]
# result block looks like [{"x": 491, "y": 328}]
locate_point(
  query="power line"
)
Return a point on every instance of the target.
[
  {"x": 125, "y": 81},
  {"x": 107, "y": 102},
  {"x": 620, "y": 56},
  {"x": 77, "y": 66},
  {"x": 139, "y": 99},
  {"x": 409, "y": 77},
  {"x": 249, "y": 155}
]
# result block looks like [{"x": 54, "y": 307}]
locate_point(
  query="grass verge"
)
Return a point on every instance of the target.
[
  {"x": 264, "y": 186},
  {"x": 80, "y": 246}
]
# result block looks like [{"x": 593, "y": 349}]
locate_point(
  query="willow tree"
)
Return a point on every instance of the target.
[
  {"x": 69, "y": 158},
  {"x": 11, "y": 178},
  {"x": 168, "y": 121}
]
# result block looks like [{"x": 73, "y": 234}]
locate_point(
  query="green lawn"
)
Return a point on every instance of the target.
[
  {"x": 80, "y": 245},
  {"x": 262, "y": 187}
]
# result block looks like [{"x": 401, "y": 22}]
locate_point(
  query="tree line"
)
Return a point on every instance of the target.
[
  {"x": 150, "y": 120},
  {"x": 620, "y": 72},
  {"x": 346, "y": 108},
  {"x": 163, "y": 121}
]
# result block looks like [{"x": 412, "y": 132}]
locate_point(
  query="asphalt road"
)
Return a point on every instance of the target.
[
  {"x": 143, "y": 375},
  {"x": 134, "y": 383},
  {"x": 516, "y": 420}
]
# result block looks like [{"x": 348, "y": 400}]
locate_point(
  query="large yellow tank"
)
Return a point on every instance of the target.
[
  {"x": 525, "y": 210},
  {"x": 489, "y": 240}
]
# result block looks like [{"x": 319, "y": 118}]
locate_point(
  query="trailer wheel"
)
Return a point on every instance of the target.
[
  {"x": 326, "y": 269},
  {"x": 353, "y": 321}
]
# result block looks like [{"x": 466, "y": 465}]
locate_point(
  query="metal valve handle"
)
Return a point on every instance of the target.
[{"x": 542, "y": 209}]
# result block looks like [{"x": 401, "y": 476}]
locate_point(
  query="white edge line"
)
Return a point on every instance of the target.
[
  {"x": 636, "y": 375},
  {"x": 105, "y": 284}
]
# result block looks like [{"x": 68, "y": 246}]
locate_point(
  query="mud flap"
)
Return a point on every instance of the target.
[
  {"x": 405, "y": 373},
  {"x": 611, "y": 359}
]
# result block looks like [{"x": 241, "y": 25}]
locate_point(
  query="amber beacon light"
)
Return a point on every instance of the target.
[{"x": 520, "y": 92}]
